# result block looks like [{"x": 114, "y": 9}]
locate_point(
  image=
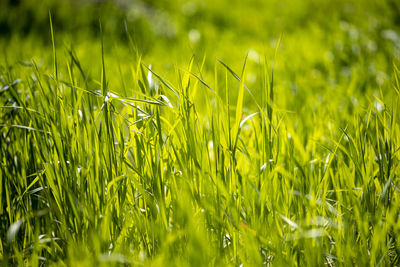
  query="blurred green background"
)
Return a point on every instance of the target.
[{"x": 323, "y": 43}]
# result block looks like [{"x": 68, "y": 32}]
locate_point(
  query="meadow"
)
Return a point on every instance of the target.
[{"x": 200, "y": 133}]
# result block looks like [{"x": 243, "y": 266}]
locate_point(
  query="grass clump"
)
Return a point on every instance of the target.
[{"x": 107, "y": 161}]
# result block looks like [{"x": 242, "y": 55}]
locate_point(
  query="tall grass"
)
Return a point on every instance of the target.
[{"x": 156, "y": 172}]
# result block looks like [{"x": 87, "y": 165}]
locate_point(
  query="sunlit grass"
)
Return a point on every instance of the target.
[{"x": 112, "y": 161}]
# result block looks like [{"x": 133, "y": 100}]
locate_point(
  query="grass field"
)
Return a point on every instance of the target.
[{"x": 200, "y": 133}]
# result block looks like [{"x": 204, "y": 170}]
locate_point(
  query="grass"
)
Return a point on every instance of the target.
[{"x": 107, "y": 160}]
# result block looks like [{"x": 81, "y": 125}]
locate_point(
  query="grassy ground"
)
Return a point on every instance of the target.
[{"x": 200, "y": 133}]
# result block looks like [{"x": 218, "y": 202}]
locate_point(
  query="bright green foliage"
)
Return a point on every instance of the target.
[{"x": 291, "y": 159}]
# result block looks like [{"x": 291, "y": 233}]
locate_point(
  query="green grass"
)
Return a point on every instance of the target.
[{"x": 127, "y": 147}]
